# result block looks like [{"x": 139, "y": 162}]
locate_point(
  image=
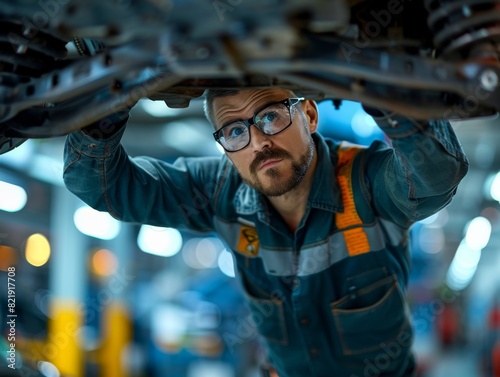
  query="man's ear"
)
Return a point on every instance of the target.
[{"x": 310, "y": 110}]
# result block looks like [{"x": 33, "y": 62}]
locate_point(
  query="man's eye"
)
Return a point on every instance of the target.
[
  {"x": 270, "y": 117},
  {"x": 233, "y": 131}
]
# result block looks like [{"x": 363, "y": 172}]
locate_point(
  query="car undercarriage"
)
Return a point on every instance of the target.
[{"x": 66, "y": 63}]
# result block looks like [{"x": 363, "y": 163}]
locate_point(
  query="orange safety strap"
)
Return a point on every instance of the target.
[{"x": 355, "y": 238}]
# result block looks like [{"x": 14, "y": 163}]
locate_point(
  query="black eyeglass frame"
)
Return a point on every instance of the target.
[{"x": 288, "y": 102}]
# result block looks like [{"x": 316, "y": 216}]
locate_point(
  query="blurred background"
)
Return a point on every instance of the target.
[{"x": 95, "y": 297}]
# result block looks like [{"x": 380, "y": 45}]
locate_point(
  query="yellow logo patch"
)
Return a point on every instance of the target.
[{"x": 248, "y": 242}]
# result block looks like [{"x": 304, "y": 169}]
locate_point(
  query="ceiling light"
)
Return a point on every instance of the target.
[
  {"x": 495, "y": 187},
  {"x": 226, "y": 263},
  {"x": 95, "y": 223},
  {"x": 13, "y": 197},
  {"x": 478, "y": 233},
  {"x": 164, "y": 242}
]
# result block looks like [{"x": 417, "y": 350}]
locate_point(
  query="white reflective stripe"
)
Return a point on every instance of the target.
[
  {"x": 319, "y": 258},
  {"x": 375, "y": 237},
  {"x": 311, "y": 260},
  {"x": 280, "y": 263},
  {"x": 394, "y": 233}
]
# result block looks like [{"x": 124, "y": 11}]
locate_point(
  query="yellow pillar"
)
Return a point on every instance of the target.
[
  {"x": 116, "y": 320},
  {"x": 117, "y": 336},
  {"x": 62, "y": 346}
]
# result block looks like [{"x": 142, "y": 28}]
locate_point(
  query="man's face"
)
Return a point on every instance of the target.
[{"x": 274, "y": 164}]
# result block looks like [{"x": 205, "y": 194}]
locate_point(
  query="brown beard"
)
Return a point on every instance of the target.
[{"x": 279, "y": 188}]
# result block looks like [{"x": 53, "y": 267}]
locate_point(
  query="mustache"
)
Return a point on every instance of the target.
[{"x": 268, "y": 154}]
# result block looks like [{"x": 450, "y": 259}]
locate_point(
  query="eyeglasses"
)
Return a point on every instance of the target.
[{"x": 270, "y": 120}]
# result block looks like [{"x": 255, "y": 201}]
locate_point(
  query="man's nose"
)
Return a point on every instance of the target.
[{"x": 258, "y": 139}]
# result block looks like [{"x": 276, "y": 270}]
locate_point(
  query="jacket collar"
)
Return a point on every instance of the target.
[{"x": 325, "y": 192}]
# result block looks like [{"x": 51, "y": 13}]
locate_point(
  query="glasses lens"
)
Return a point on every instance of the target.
[
  {"x": 273, "y": 119},
  {"x": 234, "y": 136}
]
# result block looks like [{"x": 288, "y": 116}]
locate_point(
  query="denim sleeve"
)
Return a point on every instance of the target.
[
  {"x": 142, "y": 190},
  {"x": 420, "y": 174}
]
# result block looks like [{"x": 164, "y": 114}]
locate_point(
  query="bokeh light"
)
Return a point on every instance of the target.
[{"x": 37, "y": 250}]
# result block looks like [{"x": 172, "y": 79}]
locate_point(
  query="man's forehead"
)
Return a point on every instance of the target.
[{"x": 244, "y": 103}]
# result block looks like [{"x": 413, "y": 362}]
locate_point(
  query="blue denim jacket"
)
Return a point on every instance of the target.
[{"x": 322, "y": 310}]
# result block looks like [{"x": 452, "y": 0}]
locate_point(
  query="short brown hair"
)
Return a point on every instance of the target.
[{"x": 210, "y": 95}]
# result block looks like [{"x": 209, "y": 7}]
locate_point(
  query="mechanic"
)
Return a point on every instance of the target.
[{"x": 319, "y": 229}]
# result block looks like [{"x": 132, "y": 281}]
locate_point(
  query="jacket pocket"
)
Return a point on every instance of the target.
[
  {"x": 267, "y": 312},
  {"x": 370, "y": 318}
]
